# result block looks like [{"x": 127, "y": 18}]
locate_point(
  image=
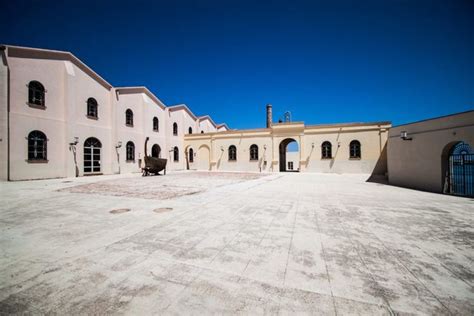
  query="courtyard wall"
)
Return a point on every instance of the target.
[{"x": 420, "y": 160}]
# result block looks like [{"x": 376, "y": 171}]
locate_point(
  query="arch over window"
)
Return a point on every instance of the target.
[
  {"x": 93, "y": 142},
  {"x": 129, "y": 117},
  {"x": 175, "y": 129},
  {"x": 156, "y": 151},
  {"x": 354, "y": 149},
  {"x": 37, "y": 147},
  {"x": 92, "y": 110},
  {"x": 233, "y": 153},
  {"x": 326, "y": 150},
  {"x": 191, "y": 155},
  {"x": 190, "y": 130},
  {"x": 175, "y": 154},
  {"x": 254, "y": 152},
  {"x": 461, "y": 148},
  {"x": 156, "y": 124},
  {"x": 92, "y": 147},
  {"x": 36, "y": 93},
  {"x": 130, "y": 151}
]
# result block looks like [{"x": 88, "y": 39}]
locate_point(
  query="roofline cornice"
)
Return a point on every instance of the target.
[
  {"x": 36, "y": 53},
  {"x": 141, "y": 89},
  {"x": 184, "y": 107}
]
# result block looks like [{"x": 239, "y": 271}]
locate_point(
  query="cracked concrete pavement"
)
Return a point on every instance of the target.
[{"x": 233, "y": 243}]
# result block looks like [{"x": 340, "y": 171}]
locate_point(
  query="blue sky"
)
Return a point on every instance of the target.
[{"x": 325, "y": 61}]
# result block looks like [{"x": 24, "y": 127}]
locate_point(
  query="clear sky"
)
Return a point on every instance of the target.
[{"x": 325, "y": 61}]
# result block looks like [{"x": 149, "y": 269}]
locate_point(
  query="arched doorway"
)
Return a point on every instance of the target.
[
  {"x": 92, "y": 147},
  {"x": 289, "y": 155},
  {"x": 203, "y": 158},
  {"x": 458, "y": 169},
  {"x": 156, "y": 151}
]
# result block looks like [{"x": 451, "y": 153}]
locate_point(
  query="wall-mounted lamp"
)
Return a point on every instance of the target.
[
  {"x": 119, "y": 144},
  {"x": 75, "y": 141},
  {"x": 338, "y": 144},
  {"x": 265, "y": 147},
  {"x": 222, "y": 148},
  {"x": 404, "y": 136},
  {"x": 312, "y": 145}
]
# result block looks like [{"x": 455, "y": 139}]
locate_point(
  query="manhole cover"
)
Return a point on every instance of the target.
[
  {"x": 163, "y": 209},
  {"x": 120, "y": 211}
]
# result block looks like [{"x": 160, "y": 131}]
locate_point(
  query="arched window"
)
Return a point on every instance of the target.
[
  {"x": 233, "y": 153},
  {"x": 92, "y": 108},
  {"x": 92, "y": 147},
  {"x": 129, "y": 117},
  {"x": 354, "y": 149},
  {"x": 130, "y": 151},
  {"x": 191, "y": 155},
  {"x": 175, "y": 129},
  {"x": 461, "y": 148},
  {"x": 175, "y": 154},
  {"x": 190, "y": 130},
  {"x": 156, "y": 151},
  {"x": 254, "y": 152},
  {"x": 37, "y": 146},
  {"x": 326, "y": 150},
  {"x": 36, "y": 93},
  {"x": 156, "y": 125},
  {"x": 202, "y": 132}
]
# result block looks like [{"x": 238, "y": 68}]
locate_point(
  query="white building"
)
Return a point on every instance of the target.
[{"x": 61, "y": 119}]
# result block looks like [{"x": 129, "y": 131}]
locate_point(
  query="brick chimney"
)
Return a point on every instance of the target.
[{"x": 269, "y": 115}]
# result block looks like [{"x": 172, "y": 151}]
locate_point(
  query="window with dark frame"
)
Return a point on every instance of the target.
[
  {"x": 190, "y": 130},
  {"x": 191, "y": 155},
  {"x": 36, "y": 93},
  {"x": 37, "y": 146},
  {"x": 129, "y": 117},
  {"x": 175, "y": 154},
  {"x": 175, "y": 129},
  {"x": 232, "y": 153},
  {"x": 354, "y": 149},
  {"x": 326, "y": 150},
  {"x": 130, "y": 151},
  {"x": 92, "y": 149},
  {"x": 92, "y": 110},
  {"x": 254, "y": 152},
  {"x": 156, "y": 125}
]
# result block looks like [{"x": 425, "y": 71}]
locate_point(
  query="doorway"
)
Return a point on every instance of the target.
[
  {"x": 460, "y": 179},
  {"x": 289, "y": 155},
  {"x": 92, "y": 147}
]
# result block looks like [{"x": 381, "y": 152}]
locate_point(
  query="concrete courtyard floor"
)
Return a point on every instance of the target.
[{"x": 224, "y": 243}]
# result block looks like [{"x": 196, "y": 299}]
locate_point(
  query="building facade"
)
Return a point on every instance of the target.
[
  {"x": 61, "y": 119},
  {"x": 434, "y": 155},
  {"x": 338, "y": 148}
]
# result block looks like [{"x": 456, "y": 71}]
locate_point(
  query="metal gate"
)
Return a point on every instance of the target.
[{"x": 461, "y": 174}]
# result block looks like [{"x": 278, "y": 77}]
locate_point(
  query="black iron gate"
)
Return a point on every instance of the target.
[{"x": 461, "y": 174}]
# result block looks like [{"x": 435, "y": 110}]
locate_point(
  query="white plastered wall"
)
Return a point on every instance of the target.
[{"x": 3, "y": 116}]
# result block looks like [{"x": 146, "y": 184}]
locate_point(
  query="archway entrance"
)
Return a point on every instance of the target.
[
  {"x": 156, "y": 151},
  {"x": 203, "y": 158},
  {"x": 92, "y": 148},
  {"x": 460, "y": 173},
  {"x": 289, "y": 155}
]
